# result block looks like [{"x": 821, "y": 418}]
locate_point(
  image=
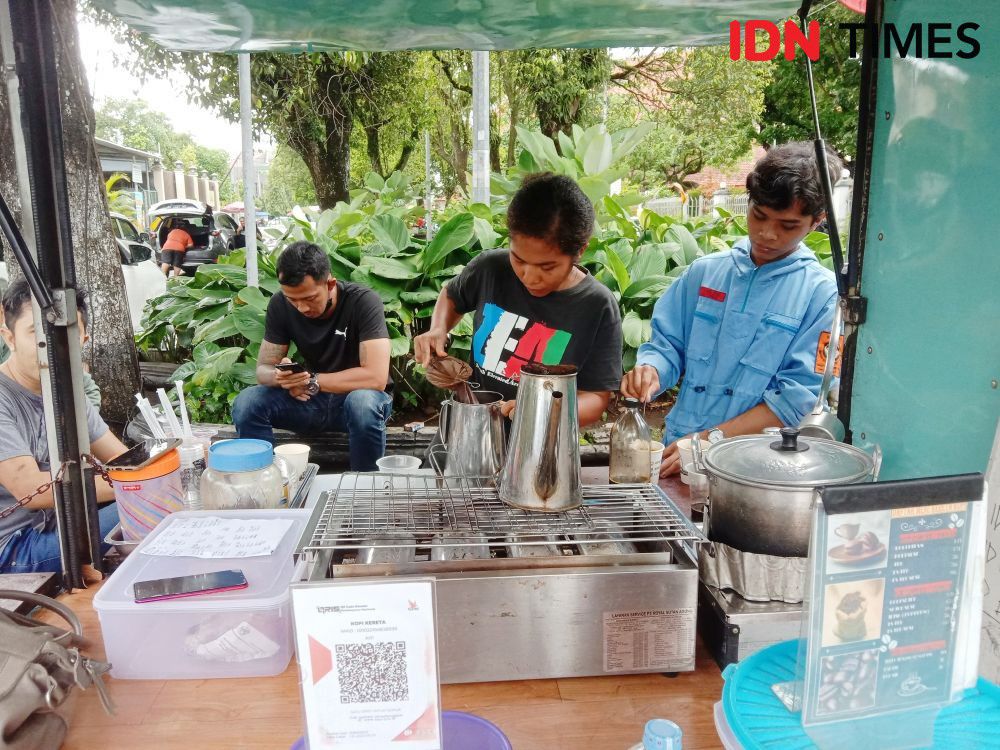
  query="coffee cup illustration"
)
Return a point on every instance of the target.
[{"x": 847, "y": 530}]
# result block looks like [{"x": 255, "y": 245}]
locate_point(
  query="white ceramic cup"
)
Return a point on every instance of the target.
[
  {"x": 655, "y": 459},
  {"x": 398, "y": 464},
  {"x": 296, "y": 455}
]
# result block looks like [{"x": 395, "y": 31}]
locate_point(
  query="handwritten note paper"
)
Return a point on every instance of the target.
[{"x": 215, "y": 537}]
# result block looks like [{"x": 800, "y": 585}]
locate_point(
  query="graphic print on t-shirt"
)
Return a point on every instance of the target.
[{"x": 506, "y": 341}]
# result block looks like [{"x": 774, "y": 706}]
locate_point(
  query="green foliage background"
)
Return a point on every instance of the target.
[{"x": 214, "y": 323}]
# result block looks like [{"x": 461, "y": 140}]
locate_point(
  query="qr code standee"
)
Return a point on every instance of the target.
[{"x": 372, "y": 672}]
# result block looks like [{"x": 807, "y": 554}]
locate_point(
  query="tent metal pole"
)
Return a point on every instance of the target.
[
  {"x": 249, "y": 173},
  {"x": 481, "y": 127},
  {"x": 428, "y": 197}
]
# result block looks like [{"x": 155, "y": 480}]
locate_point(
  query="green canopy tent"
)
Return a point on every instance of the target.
[{"x": 384, "y": 25}]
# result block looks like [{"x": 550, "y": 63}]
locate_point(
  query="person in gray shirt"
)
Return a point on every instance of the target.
[{"x": 29, "y": 541}]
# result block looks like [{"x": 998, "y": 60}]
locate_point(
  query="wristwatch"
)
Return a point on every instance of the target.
[
  {"x": 715, "y": 435},
  {"x": 313, "y": 388}
]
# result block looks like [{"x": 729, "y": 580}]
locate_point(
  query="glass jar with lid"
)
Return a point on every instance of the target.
[
  {"x": 630, "y": 445},
  {"x": 242, "y": 473}
]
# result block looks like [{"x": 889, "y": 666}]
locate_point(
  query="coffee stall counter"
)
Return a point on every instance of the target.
[
  {"x": 549, "y": 714},
  {"x": 265, "y": 713}
]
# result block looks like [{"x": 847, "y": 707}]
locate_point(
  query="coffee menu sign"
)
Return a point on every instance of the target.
[{"x": 887, "y": 596}]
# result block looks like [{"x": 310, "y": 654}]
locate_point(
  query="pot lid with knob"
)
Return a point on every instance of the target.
[{"x": 791, "y": 461}]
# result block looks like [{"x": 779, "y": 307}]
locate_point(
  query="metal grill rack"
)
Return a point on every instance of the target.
[{"x": 387, "y": 510}]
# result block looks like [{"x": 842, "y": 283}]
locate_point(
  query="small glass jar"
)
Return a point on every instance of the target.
[
  {"x": 629, "y": 462},
  {"x": 242, "y": 474}
]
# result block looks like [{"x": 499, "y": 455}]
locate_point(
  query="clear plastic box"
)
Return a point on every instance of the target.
[{"x": 245, "y": 633}]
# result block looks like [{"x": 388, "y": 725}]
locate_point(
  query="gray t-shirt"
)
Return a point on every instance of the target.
[{"x": 22, "y": 433}]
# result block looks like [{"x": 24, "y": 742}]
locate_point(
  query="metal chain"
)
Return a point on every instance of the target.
[
  {"x": 98, "y": 467},
  {"x": 40, "y": 491}
]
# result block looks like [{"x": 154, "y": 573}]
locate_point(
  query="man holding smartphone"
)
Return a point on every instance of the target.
[{"x": 339, "y": 329}]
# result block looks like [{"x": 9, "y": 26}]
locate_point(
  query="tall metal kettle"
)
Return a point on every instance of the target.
[{"x": 542, "y": 472}]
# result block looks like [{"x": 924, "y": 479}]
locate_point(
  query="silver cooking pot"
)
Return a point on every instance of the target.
[{"x": 761, "y": 487}]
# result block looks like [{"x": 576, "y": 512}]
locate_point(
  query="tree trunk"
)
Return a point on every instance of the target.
[
  {"x": 111, "y": 355},
  {"x": 373, "y": 141},
  {"x": 329, "y": 167},
  {"x": 494, "y": 143},
  {"x": 406, "y": 153}
]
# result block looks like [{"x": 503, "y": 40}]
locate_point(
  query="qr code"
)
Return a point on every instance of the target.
[{"x": 372, "y": 672}]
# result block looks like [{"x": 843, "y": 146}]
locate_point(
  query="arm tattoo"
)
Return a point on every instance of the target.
[{"x": 270, "y": 354}]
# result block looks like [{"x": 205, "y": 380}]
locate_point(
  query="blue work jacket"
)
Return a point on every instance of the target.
[{"x": 741, "y": 334}]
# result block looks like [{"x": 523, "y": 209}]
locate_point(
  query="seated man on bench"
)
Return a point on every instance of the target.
[{"x": 339, "y": 329}]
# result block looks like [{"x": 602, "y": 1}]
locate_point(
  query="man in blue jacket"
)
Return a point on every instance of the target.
[{"x": 747, "y": 327}]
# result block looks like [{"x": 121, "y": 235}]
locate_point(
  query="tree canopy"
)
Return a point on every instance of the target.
[
  {"x": 347, "y": 114},
  {"x": 310, "y": 102},
  {"x": 131, "y": 122},
  {"x": 787, "y": 114},
  {"x": 704, "y": 107}
]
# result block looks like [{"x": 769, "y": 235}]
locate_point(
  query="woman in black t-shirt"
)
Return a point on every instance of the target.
[{"x": 533, "y": 303}]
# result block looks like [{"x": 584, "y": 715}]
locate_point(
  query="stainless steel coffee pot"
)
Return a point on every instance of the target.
[
  {"x": 542, "y": 472},
  {"x": 472, "y": 436}
]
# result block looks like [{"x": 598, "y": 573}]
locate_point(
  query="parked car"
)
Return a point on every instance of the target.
[
  {"x": 214, "y": 233},
  {"x": 143, "y": 278}
]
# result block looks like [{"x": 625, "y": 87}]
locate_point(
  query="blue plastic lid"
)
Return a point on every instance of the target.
[
  {"x": 760, "y": 721},
  {"x": 240, "y": 455},
  {"x": 661, "y": 734}
]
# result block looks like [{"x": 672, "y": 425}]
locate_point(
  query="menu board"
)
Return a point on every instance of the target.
[{"x": 886, "y": 594}]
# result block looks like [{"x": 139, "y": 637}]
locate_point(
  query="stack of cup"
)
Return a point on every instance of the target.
[{"x": 686, "y": 452}]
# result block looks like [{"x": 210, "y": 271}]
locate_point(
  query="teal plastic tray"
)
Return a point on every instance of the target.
[{"x": 760, "y": 721}]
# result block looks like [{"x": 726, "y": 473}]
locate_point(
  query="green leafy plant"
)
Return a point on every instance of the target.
[
  {"x": 638, "y": 259},
  {"x": 590, "y": 156}
]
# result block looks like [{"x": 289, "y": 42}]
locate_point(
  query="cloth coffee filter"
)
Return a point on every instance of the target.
[{"x": 452, "y": 374}]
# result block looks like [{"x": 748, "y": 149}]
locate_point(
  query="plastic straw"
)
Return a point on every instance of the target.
[
  {"x": 149, "y": 415},
  {"x": 168, "y": 410},
  {"x": 185, "y": 423}
]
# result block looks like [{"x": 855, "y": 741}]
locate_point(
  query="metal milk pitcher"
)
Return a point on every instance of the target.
[
  {"x": 542, "y": 472},
  {"x": 472, "y": 437}
]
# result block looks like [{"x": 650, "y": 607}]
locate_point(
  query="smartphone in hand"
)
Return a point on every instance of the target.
[{"x": 291, "y": 367}]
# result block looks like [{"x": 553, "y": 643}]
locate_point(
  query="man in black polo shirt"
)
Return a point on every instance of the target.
[{"x": 339, "y": 329}]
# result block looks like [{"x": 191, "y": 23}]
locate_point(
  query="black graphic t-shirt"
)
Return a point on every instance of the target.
[
  {"x": 329, "y": 344},
  {"x": 579, "y": 326}
]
